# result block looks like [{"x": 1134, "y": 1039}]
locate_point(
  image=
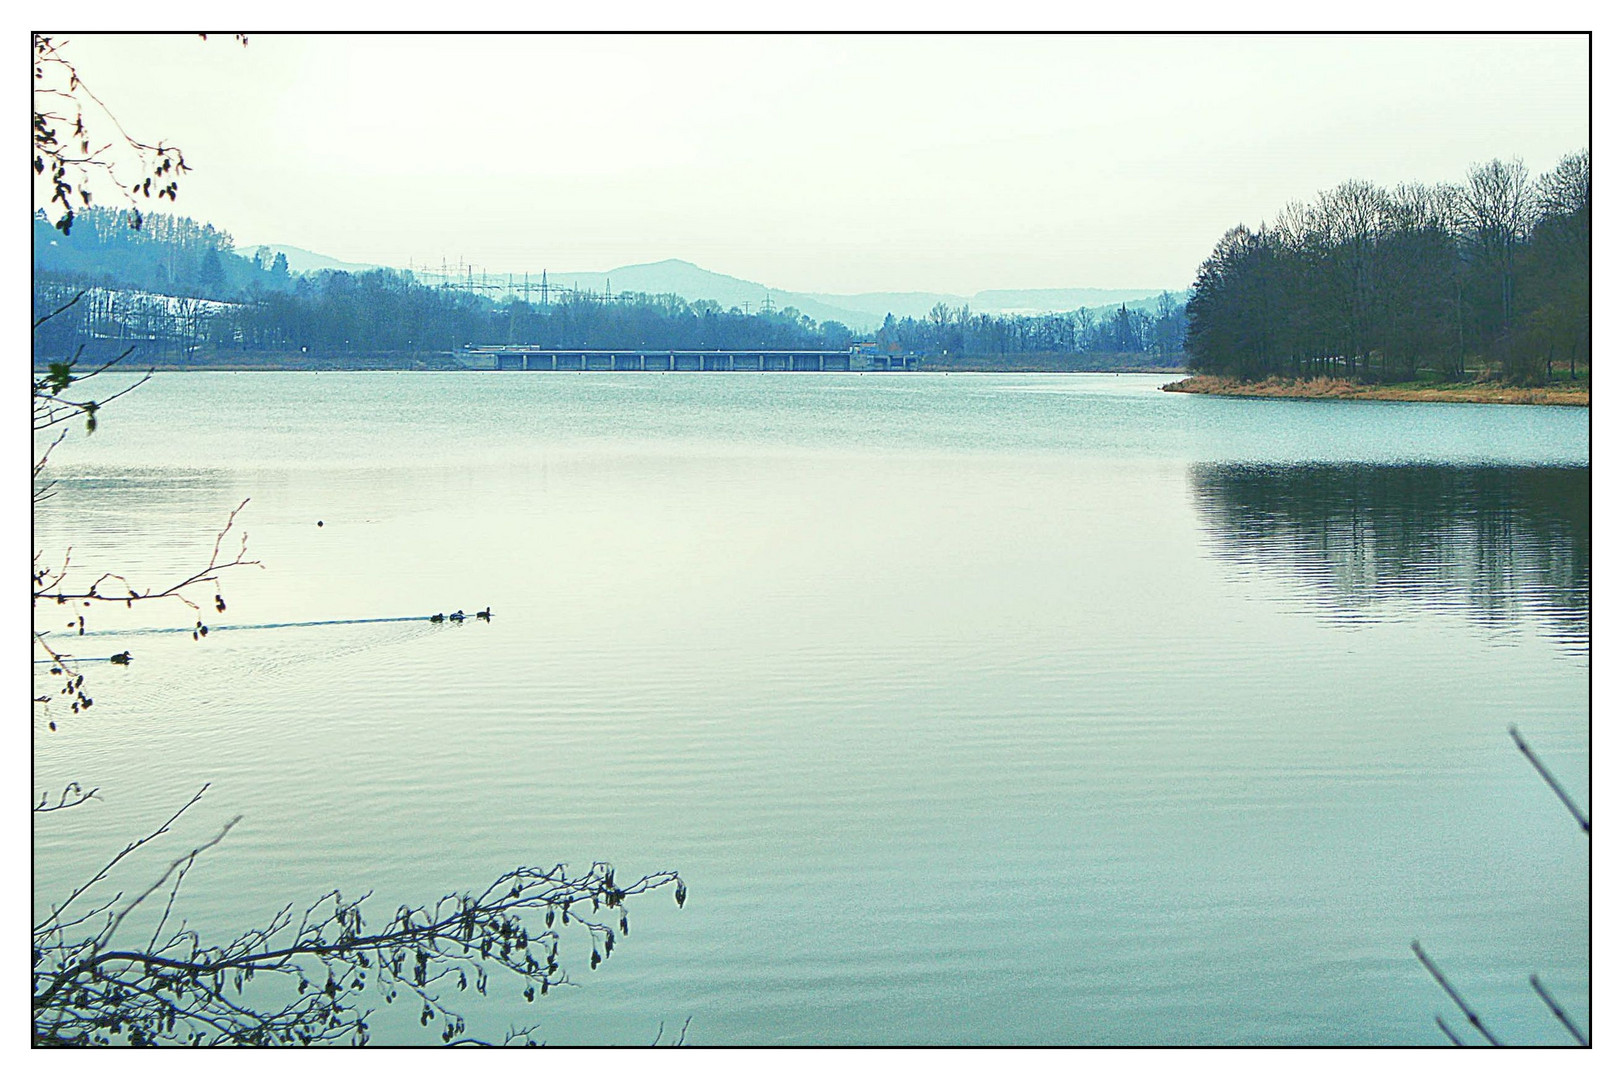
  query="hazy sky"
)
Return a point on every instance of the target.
[{"x": 821, "y": 163}]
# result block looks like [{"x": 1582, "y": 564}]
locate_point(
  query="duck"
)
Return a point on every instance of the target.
[
  {"x": 485, "y": 614},
  {"x": 457, "y": 616},
  {"x": 437, "y": 618},
  {"x": 121, "y": 658}
]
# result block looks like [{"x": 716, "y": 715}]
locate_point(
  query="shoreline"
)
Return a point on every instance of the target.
[
  {"x": 1034, "y": 363},
  {"x": 1485, "y": 393},
  {"x": 384, "y": 364}
]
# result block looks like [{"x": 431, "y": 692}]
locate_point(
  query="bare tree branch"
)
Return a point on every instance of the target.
[
  {"x": 115, "y": 588},
  {"x": 1448, "y": 988},
  {"x": 66, "y": 161},
  {"x": 1555, "y": 785},
  {"x": 72, "y": 795},
  {"x": 330, "y": 971},
  {"x": 176, "y": 591},
  {"x": 129, "y": 849},
  {"x": 43, "y": 319},
  {"x": 1560, "y": 1013},
  {"x": 1448, "y": 1031}
]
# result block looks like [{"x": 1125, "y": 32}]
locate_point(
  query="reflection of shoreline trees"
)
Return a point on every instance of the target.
[{"x": 1498, "y": 544}]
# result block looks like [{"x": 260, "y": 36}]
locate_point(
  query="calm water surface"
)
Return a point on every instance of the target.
[{"x": 973, "y": 709}]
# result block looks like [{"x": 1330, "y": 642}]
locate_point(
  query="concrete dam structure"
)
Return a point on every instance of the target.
[{"x": 535, "y": 358}]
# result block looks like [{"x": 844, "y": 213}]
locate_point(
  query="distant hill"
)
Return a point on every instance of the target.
[
  {"x": 874, "y": 306},
  {"x": 300, "y": 261},
  {"x": 859, "y": 311},
  {"x": 992, "y": 301},
  {"x": 692, "y": 282},
  {"x": 1032, "y": 301}
]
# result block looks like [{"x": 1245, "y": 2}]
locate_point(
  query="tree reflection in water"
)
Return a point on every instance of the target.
[{"x": 1501, "y": 545}]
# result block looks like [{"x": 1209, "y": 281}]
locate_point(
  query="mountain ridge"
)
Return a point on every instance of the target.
[{"x": 860, "y": 311}]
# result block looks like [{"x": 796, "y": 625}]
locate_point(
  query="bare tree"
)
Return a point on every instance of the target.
[
  {"x": 1498, "y": 205},
  {"x": 124, "y": 970},
  {"x": 1354, "y": 214},
  {"x": 1566, "y": 188},
  {"x": 1561, "y": 255}
]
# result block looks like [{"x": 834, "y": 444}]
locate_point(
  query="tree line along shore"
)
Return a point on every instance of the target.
[{"x": 1479, "y": 291}]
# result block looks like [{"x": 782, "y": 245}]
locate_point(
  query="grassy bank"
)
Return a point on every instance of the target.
[{"x": 1488, "y": 393}]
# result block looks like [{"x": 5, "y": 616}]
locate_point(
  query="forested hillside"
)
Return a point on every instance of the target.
[
  {"x": 166, "y": 254},
  {"x": 1445, "y": 282},
  {"x": 176, "y": 293}
]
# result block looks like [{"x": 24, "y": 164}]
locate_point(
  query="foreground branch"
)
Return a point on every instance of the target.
[
  {"x": 49, "y": 585},
  {"x": 327, "y": 969},
  {"x": 72, "y": 795},
  {"x": 1448, "y": 988},
  {"x": 1555, "y": 785},
  {"x": 1560, "y": 1014}
]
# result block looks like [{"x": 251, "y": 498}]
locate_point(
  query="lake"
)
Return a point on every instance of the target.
[{"x": 973, "y": 709}]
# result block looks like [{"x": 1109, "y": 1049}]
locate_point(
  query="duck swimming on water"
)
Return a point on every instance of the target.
[
  {"x": 437, "y": 618},
  {"x": 485, "y": 614},
  {"x": 457, "y": 616}
]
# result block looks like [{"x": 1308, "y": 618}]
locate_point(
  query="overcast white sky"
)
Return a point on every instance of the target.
[{"x": 821, "y": 163}]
